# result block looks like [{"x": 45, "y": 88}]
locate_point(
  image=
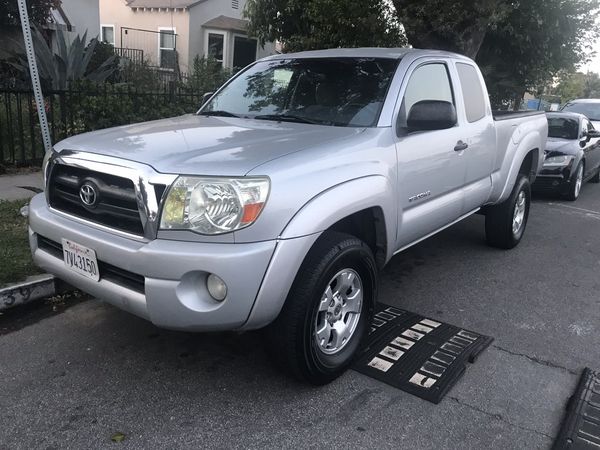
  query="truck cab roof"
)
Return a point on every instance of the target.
[{"x": 367, "y": 52}]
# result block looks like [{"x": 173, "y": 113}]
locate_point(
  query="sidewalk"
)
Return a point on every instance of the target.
[
  {"x": 14, "y": 248},
  {"x": 15, "y": 187}
]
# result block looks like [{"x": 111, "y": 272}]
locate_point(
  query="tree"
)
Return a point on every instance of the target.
[
  {"x": 533, "y": 43},
  {"x": 520, "y": 45},
  {"x": 458, "y": 26},
  {"x": 39, "y": 11},
  {"x": 578, "y": 85},
  {"x": 317, "y": 24}
]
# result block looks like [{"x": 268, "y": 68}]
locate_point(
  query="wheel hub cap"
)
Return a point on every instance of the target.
[
  {"x": 579, "y": 181},
  {"x": 339, "y": 311},
  {"x": 519, "y": 213}
]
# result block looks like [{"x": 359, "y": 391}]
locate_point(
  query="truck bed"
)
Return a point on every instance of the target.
[{"x": 507, "y": 115}]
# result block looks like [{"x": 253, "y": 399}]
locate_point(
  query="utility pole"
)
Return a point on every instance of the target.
[{"x": 35, "y": 76}]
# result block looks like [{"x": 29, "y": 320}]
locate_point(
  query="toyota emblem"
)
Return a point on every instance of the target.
[{"x": 88, "y": 194}]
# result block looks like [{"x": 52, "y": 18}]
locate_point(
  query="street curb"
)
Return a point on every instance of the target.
[{"x": 33, "y": 288}]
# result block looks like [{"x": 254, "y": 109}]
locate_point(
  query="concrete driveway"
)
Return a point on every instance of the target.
[{"x": 73, "y": 380}]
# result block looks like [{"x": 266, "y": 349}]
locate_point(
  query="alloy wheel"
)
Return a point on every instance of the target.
[
  {"x": 339, "y": 311},
  {"x": 519, "y": 213}
]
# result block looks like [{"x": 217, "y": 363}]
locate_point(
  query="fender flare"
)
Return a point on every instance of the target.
[
  {"x": 349, "y": 197},
  {"x": 305, "y": 227},
  {"x": 524, "y": 147}
]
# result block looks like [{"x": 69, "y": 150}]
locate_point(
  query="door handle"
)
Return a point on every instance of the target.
[{"x": 460, "y": 146}]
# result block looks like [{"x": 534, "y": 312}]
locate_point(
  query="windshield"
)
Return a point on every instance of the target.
[
  {"x": 563, "y": 127},
  {"x": 333, "y": 91},
  {"x": 591, "y": 110}
]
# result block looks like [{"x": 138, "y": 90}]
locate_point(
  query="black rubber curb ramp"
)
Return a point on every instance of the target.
[
  {"x": 421, "y": 356},
  {"x": 580, "y": 429}
]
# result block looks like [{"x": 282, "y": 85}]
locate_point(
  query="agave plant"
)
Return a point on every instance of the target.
[{"x": 68, "y": 63}]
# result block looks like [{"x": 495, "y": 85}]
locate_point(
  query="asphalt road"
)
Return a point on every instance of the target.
[{"x": 75, "y": 379}]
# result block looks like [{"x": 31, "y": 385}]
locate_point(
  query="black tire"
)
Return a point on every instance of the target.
[
  {"x": 573, "y": 192},
  {"x": 290, "y": 339},
  {"x": 499, "y": 218},
  {"x": 596, "y": 178}
]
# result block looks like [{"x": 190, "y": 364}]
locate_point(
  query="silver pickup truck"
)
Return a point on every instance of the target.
[{"x": 276, "y": 205}]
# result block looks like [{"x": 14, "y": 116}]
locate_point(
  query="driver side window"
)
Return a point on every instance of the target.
[{"x": 428, "y": 82}]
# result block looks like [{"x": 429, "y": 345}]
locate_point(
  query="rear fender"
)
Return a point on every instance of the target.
[{"x": 504, "y": 180}]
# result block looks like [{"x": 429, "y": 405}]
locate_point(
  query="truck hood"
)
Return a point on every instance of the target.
[{"x": 200, "y": 145}]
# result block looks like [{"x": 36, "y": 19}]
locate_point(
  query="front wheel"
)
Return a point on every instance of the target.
[
  {"x": 575, "y": 184},
  {"x": 328, "y": 310},
  {"x": 505, "y": 223}
]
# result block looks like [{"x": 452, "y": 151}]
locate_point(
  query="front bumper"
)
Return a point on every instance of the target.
[
  {"x": 173, "y": 293},
  {"x": 553, "y": 180}
]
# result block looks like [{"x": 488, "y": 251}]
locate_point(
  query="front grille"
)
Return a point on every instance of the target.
[
  {"x": 108, "y": 272},
  {"x": 116, "y": 205}
]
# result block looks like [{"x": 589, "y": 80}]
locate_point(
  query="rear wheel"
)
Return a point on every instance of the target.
[
  {"x": 576, "y": 183},
  {"x": 505, "y": 223},
  {"x": 328, "y": 310}
]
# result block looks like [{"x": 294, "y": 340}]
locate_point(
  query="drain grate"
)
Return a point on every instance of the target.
[
  {"x": 581, "y": 427},
  {"x": 421, "y": 356}
]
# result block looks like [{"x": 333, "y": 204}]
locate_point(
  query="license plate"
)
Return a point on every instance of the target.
[{"x": 80, "y": 259}]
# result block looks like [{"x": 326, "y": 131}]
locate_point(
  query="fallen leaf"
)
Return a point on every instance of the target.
[{"x": 117, "y": 437}]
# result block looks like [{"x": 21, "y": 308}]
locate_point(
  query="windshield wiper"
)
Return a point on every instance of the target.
[
  {"x": 218, "y": 113},
  {"x": 287, "y": 118}
]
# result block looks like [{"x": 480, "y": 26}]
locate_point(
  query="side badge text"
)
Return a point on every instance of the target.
[{"x": 420, "y": 196}]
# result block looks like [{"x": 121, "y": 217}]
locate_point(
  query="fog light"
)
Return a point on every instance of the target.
[{"x": 216, "y": 287}]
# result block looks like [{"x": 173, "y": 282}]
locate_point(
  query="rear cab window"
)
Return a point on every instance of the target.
[{"x": 473, "y": 94}]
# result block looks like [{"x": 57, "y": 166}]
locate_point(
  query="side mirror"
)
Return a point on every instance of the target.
[
  {"x": 206, "y": 97},
  {"x": 428, "y": 115}
]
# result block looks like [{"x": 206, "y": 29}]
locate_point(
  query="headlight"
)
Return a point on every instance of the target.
[
  {"x": 214, "y": 205},
  {"x": 558, "y": 161}
]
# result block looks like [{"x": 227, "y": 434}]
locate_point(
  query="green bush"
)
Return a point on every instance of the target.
[{"x": 207, "y": 75}]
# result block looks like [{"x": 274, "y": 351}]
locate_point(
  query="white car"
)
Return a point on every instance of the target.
[{"x": 589, "y": 107}]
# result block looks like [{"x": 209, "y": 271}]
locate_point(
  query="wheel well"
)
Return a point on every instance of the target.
[
  {"x": 367, "y": 225},
  {"x": 529, "y": 164}
]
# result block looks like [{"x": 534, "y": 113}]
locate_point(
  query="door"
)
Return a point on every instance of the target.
[
  {"x": 430, "y": 172},
  {"x": 477, "y": 125}
]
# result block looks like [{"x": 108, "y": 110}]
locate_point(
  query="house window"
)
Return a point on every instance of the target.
[
  {"x": 244, "y": 51},
  {"x": 216, "y": 46},
  {"x": 167, "y": 54},
  {"x": 235, "y": 4},
  {"x": 107, "y": 34}
]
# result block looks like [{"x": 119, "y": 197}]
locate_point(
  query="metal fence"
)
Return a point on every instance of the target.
[
  {"x": 158, "y": 48},
  {"x": 134, "y": 55},
  {"x": 76, "y": 111}
]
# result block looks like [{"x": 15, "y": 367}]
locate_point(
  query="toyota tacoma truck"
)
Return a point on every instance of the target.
[{"x": 276, "y": 205}]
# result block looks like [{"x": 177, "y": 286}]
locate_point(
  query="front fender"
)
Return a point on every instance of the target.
[
  {"x": 580, "y": 156},
  {"x": 343, "y": 200},
  {"x": 305, "y": 227}
]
